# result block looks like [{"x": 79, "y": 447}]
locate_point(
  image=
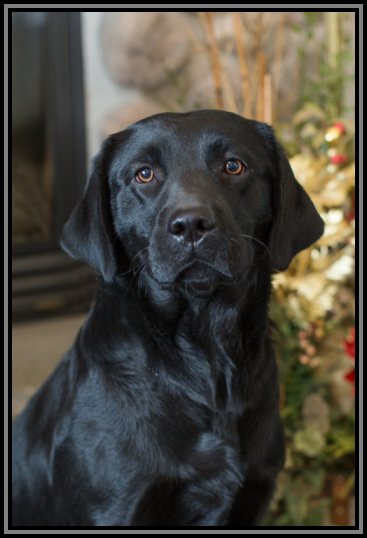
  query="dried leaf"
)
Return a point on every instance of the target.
[{"x": 309, "y": 441}]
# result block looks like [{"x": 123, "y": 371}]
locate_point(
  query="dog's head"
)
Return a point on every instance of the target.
[{"x": 192, "y": 198}]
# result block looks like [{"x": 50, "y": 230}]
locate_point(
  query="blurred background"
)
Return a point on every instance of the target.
[{"x": 77, "y": 77}]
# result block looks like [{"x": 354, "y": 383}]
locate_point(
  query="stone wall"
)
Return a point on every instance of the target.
[{"x": 140, "y": 63}]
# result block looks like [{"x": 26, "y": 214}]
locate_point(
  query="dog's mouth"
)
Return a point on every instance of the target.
[
  {"x": 201, "y": 275},
  {"x": 207, "y": 268}
]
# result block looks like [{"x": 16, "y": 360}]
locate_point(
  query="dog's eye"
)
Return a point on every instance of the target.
[
  {"x": 234, "y": 167},
  {"x": 145, "y": 175}
]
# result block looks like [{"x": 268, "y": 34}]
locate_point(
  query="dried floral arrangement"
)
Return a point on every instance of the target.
[{"x": 313, "y": 306}]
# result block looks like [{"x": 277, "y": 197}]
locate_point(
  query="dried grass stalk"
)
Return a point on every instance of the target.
[
  {"x": 239, "y": 31},
  {"x": 268, "y": 99},
  {"x": 278, "y": 54},
  {"x": 261, "y": 62},
  {"x": 264, "y": 86},
  {"x": 207, "y": 20},
  {"x": 229, "y": 96}
]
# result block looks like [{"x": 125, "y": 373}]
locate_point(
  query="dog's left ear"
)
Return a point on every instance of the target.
[
  {"x": 296, "y": 223},
  {"x": 88, "y": 234}
]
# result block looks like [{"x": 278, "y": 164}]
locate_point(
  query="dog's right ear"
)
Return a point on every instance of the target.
[{"x": 88, "y": 234}]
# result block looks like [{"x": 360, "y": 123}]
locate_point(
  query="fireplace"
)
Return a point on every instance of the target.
[{"x": 48, "y": 162}]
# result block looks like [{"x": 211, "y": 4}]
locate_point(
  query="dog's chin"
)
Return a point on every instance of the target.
[
  {"x": 200, "y": 278},
  {"x": 197, "y": 287},
  {"x": 197, "y": 277}
]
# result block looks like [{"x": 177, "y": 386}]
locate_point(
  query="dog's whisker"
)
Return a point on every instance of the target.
[
  {"x": 132, "y": 266},
  {"x": 257, "y": 241},
  {"x": 234, "y": 239}
]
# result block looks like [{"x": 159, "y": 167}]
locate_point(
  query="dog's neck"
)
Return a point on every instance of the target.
[
  {"x": 216, "y": 317},
  {"x": 215, "y": 337}
]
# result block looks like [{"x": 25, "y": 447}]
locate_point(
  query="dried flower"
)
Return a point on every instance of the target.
[
  {"x": 339, "y": 158},
  {"x": 349, "y": 346},
  {"x": 350, "y": 376},
  {"x": 315, "y": 412},
  {"x": 340, "y": 127},
  {"x": 349, "y": 343}
]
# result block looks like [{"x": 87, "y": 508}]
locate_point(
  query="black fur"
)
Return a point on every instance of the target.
[{"x": 165, "y": 411}]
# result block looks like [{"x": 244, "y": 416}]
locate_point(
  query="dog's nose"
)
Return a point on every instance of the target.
[{"x": 190, "y": 224}]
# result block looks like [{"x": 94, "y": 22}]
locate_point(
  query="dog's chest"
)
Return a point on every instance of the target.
[{"x": 185, "y": 414}]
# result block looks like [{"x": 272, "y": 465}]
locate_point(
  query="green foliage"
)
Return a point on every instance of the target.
[
  {"x": 340, "y": 445},
  {"x": 319, "y": 436},
  {"x": 327, "y": 84},
  {"x": 309, "y": 441},
  {"x": 311, "y": 453}
]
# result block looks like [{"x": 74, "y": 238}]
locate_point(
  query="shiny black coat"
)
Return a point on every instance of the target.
[{"x": 165, "y": 410}]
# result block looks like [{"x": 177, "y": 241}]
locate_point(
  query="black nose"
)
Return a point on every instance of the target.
[{"x": 190, "y": 224}]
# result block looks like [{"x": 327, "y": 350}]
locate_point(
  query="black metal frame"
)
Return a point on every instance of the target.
[
  {"x": 67, "y": 111},
  {"x": 67, "y": 126},
  {"x": 60, "y": 285}
]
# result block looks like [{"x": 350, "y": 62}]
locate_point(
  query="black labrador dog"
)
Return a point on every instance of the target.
[{"x": 165, "y": 410}]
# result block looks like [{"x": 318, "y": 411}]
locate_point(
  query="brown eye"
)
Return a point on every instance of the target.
[
  {"x": 234, "y": 167},
  {"x": 145, "y": 175}
]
